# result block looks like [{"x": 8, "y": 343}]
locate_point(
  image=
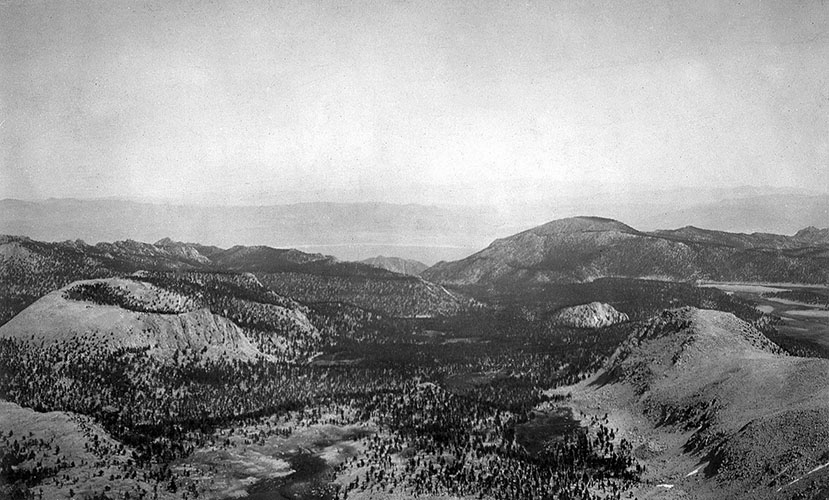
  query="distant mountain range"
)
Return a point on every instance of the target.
[
  {"x": 351, "y": 231},
  {"x": 571, "y": 250},
  {"x": 427, "y": 233},
  {"x": 582, "y": 249},
  {"x": 30, "y": 269},
  {"x": 775, "y": 213}
]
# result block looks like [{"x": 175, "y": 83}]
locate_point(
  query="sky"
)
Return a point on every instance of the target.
[{"x": 409, "y": 101}]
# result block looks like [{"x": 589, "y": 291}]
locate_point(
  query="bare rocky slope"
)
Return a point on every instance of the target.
[
  {"x": 136, "y": 315},
  {"x": 592, "y": 315},
  {"x": 580, "y": 249},
  {"x": 715, "y": 410}
]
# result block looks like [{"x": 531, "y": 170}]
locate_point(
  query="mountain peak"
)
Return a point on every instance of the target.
[
  {"x": 582, "y": 224},
  {"x": 166, "y": 242},
  {"x": 813, "y": 234}
]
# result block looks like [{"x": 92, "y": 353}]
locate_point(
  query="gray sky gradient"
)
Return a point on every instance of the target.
[{"x": 465, "y": 102}]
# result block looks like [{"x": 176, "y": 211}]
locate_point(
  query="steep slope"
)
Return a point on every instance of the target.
[
  {"x": 715, "y": 408},
  {"x": 592, "y": 315},
  {"x": 204, "y": 314},
  {"x": 586, "y": 248},
  {"x": 396, "y": 265},
  {"x": 277, "y": 325},
  {"x": 136, "y": 318}
]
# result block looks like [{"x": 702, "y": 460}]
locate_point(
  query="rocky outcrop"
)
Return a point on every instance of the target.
[{"x": 592, "y": 315}]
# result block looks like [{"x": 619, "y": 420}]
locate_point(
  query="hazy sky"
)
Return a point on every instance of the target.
[{"x": 409, "y": 101}]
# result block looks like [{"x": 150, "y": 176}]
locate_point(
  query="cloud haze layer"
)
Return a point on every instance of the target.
[{"x": 468, "y": 102}]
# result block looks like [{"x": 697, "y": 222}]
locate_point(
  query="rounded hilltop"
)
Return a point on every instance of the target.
[
  {"x": 582, "y": 224},
  {"x": 123, "y": 313},
  {"x": 592, "y": 315}
]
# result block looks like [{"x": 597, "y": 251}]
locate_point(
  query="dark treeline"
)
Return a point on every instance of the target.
[{"x": 103, "y": 294}]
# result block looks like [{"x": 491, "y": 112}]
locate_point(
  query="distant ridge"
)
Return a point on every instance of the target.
[
  {"x": 397, "y": 265},
  {"x": 354, "y": 231},
  {"x": 130, "y": 255},
  {"x": 742, "y": 240},
  {"x": 427, "y": 233},
  {"x": 30, "y": 269},
  {"x": 579, "y": 249}
]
